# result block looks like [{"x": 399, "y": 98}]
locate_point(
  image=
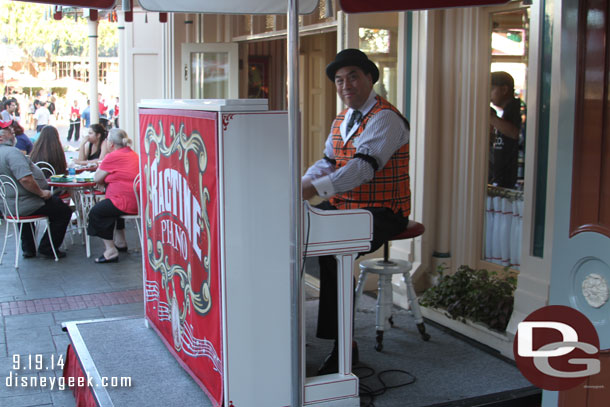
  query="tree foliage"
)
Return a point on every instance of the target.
[{"x": 32, "y": 28}]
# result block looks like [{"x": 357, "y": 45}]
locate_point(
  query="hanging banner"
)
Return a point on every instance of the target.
[
  {"x": 227, "y": 6},
  {"x": 96, "y": 4},
  {"x": 181, "y": 239},
  {"x": 367, "y": 6}
]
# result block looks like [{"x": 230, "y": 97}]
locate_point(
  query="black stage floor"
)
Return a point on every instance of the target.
[{"x": 447, "y": 370}]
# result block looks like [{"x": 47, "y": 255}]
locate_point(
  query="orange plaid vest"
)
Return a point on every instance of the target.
[{"x": 390, "y": 187}]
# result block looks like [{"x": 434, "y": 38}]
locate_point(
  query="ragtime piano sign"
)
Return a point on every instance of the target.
[{"x": 181, "y": 247}]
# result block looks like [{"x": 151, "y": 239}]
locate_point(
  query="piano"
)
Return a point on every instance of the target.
[
  {"x": 215, "y": 174},
  {"x": 344, "y": 234}
]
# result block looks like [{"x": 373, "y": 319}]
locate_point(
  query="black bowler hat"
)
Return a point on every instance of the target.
[{"x": 352, "y": 57}]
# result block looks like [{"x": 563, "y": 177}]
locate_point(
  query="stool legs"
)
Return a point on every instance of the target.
[
  {"x": 414, "y": 306},
  {"x": 383, "y": 310},
  {"x": 359, "y": 288}
]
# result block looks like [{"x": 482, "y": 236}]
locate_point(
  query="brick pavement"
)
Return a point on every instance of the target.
[
  {"x": 69, "y": 303},
  {"x": 41, "y": 294}
]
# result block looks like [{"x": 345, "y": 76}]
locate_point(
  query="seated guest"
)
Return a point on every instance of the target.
[
  {"x": 116, "y": 173},
  {"x": 48, "y": 148},
  {"x": 23, "y": 141},
  {"x": 95, "y": 147},
  {"x": 33, "y": 200}
]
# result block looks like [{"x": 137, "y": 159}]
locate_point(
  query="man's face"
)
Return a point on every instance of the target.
[
  {"x": 499, "y": 95},
  {"x": 12, "y": 107},
  {"x": 353, "y": 86},
  {"x": 7, "y": 137}
]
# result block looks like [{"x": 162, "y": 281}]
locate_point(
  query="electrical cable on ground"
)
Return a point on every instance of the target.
[{"x": 369, "y": 392}]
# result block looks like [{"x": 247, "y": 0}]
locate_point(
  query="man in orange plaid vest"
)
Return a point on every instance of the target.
[{"x": 365, "y": 165}]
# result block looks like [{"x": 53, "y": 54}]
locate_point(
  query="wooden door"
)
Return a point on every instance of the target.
[{"x": 318, "y": 100}]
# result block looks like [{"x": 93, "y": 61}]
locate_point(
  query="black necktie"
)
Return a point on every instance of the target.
[{"x": 355, "y": 118}]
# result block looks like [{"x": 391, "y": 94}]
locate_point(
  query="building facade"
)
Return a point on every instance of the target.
[{"x": 435, "y": 66}]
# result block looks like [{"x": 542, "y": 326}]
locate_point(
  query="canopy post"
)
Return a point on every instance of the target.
[
  {"x": 93, "y": 69},
  {"x": 296, "y": 199}
]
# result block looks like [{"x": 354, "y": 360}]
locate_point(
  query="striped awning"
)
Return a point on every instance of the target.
[
  {"x": 227, "y": 6},
  {"x": 195, "y": 6},
  {"x": 95, "y": 4},
  {"x": 368, "y": 6}
]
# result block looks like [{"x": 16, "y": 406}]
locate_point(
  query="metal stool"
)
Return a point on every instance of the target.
[{"x": 385, "y": 268}]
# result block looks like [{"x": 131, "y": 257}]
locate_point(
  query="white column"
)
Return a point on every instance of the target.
[
  {"x": 93, "y": 72},
  {"x": 123, "y": 66}
]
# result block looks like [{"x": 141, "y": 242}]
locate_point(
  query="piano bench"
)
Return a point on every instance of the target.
[{"x": 385, "y": 268}]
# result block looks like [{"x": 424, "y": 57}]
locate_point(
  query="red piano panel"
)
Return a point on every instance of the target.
[{"x": 178, "y": 166}]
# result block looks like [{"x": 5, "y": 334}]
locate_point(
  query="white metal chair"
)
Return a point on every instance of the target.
[
  {"x": 46, "y": 168},
  {"x": 136, "y": 217},
  {"x": 9, "y": 193}
]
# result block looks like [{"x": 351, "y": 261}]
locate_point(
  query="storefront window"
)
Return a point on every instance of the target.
[
  {"x": 380, "y": 44},
  {"x": 507, "y": 135}
]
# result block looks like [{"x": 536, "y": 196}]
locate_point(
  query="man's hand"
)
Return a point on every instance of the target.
[
  {"x": 308, "y": 191},
  {"x": 30, "y": 184}
]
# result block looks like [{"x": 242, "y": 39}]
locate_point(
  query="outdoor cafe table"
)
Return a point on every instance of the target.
[{"x": 83, "y": 195}]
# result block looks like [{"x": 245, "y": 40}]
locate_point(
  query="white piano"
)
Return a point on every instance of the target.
[
  {"x": 343, "y": 234},
  {"x": 240, "y": 351}
]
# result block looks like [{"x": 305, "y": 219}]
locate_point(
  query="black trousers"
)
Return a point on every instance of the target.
[
  {"x": 102, "y": 219},
  {"x": 74, "y": 129},
  {"x": 386, "y": 224},
  {"x": 59, "y": 215}
]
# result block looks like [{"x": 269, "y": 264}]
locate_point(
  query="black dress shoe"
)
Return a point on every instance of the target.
[
  {"x": 331, "y": 363},
  {"x": 50, "y": 255},
  {"x": 121, "y": 249}
]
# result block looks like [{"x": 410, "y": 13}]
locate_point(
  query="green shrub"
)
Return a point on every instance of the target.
[{"x": 478, "y": 295}]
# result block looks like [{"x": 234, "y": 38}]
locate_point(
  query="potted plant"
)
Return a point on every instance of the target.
[{"x": 476, "y": 295}]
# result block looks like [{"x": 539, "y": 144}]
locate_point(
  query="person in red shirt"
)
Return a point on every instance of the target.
[
  {"x": 103, "y": 110},
  {"x": 116, "y": 172},
  {"x": 74, "y": 122},
  {"x": 115, "y": 115}
]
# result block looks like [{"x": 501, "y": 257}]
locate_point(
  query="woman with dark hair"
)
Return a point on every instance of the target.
[
  {"x": 23, "y": 142},
  {"x": 48, "y": 148},
  {"x": 95, "y": 147},
  {"x": 117, "y": 173}
]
